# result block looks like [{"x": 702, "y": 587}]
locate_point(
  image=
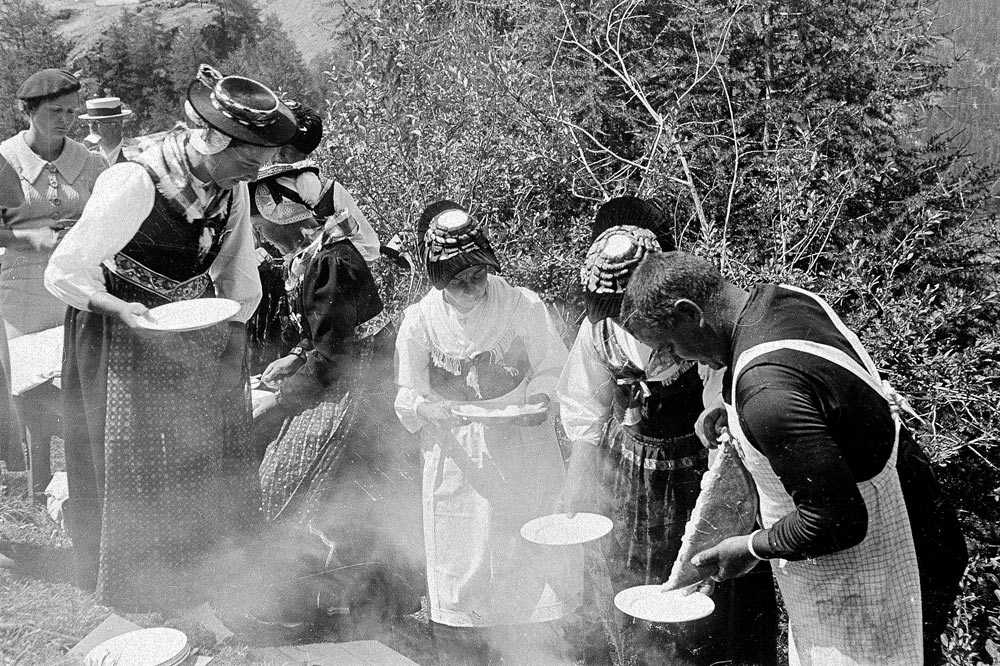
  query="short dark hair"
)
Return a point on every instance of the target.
[{"x": 662, "y": 279}]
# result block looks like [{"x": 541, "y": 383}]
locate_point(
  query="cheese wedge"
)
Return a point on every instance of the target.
[{"x": 726, "y": 507}]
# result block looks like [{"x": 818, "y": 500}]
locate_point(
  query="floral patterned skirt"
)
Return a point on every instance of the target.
[{"x": 162, "y": 475}]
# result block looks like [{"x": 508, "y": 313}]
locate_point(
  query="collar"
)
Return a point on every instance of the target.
[{"x": 69, "y": 164}]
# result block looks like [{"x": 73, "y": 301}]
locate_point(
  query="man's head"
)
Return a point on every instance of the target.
[
  {"x": 672, "y": 304},
  {"x": 106, "y": 118}
]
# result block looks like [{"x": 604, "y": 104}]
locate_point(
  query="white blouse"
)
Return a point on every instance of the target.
[
  {"x": 122, "y": 200},
  {"x": 530, "y": 319},
  {"x": 586, "y": 387}
]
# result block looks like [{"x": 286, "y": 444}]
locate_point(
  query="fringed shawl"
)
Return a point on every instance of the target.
[{"x": 490, "y": 327}]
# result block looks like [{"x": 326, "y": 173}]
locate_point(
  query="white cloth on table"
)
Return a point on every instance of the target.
[
  {"x": 859, "y": 606},
  {"x": 30, "y": 368},
  {"x": 480, "y": 571},
  {"x": 124, "y": 194}
]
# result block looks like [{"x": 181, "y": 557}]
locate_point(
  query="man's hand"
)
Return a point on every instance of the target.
[
  {"x": 711, "y": 423},
  {"x": 730, "y": 559},
  {"x": 578, "y": 491}
]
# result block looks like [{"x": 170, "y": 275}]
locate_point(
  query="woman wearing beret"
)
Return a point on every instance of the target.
[
  {"x": 476, "y": 340},
  {"x": 162, "y": 475},
  {"x": 57, "y": 176},
  {"x": 630, "y": 415}
]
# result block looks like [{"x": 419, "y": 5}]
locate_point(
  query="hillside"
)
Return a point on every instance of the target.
[{"x": 310, "y": 23}]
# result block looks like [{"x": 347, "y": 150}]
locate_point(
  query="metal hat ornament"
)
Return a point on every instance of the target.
[{"x": 241, "y": 108}]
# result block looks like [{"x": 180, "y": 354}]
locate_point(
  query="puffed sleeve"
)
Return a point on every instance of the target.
[
  {"x": 412, "y": 369},
  {"x": 585, "y": 390},
  {"x": 121, "y": 201},
  {"x": 546, "y": 350},
  {"x": 234, "y": 271}
]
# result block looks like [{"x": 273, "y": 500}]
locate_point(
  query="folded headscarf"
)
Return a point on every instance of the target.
[{"x": 452, "y": 241}]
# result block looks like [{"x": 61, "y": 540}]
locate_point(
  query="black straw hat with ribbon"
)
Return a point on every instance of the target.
[
  {"x": 451, "y": 241},
  {"x": 625, "y": 230},
  {"x": 241, "y": 108}
]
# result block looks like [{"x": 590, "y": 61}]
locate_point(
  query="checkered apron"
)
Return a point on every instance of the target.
[{"x": 855, "y": 607}]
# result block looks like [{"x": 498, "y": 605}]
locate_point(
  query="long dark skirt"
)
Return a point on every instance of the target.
[
  {"x": 162, "y": 476},
  {"x": 340, "y": 494},
  {"x": 652, "y": 486}
]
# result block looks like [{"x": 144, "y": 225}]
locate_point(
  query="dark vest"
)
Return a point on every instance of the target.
[{"x": 166, "y": 258}]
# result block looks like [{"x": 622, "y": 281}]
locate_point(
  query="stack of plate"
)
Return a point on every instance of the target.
[{"x": 160, "y": 646}]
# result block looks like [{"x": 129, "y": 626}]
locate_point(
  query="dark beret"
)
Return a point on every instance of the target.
[{"x": 48, "y": 83}]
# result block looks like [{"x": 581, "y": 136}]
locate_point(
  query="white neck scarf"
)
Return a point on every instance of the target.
[{"x": 459, "y": 336}]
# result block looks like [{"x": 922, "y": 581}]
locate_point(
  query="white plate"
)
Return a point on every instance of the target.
[
  {"x": 257, "y": 394},
  {"x": 189, "y": 315},
  {"x": 651, "y": 603},
  {"x": 160, "y": 646},
  {"x": 558, "y": 530},
  {"x": 508, "y": 413}
]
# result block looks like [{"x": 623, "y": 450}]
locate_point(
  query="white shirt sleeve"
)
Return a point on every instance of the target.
[
  {"x": 412, "y": 370},
  {"x": 711, "y": 381},
  {"x": 546, "y": 350},
  {"x": 122, "y": 198},
  {"x": 234, "y": 271},
  {"x": 586, "y": 390}
]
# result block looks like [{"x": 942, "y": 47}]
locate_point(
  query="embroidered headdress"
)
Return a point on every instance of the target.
[
  {"x": 452, "y": 241},
  {"x": 626, "y": 229}
]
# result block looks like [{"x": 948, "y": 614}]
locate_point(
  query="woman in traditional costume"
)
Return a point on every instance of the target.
[
  {"x": 57, "y": 177},
  {"x": 630, "y": 415},
  {"x": 162, "y": 474},
  {"x": 476, "y": 340},
  {"x": 329, "y": 471}
]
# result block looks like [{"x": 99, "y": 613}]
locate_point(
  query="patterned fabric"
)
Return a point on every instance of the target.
[
  {"x": 305, "y": 459},
  {"x": 164, "y": 157},
  {"x": 168, "y": 289},
  {"x": 859, "y": 606},
  {"x": 157, "y": 436}
]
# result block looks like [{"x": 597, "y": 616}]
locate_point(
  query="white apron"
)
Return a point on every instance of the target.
[
  {"x": 855, "y": 607},
  {"x": 480, "y": 570}
]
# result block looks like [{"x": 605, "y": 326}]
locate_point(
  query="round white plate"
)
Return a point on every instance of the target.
[
  {"x": 160, "y": 646},
  {"x": 256, "y": 394},
  {"x": 651, "y": 603},
  {"x": 189, "y": 315},
  {"x": 487, "y": 415},
  {"x": 558, "y": 530}
]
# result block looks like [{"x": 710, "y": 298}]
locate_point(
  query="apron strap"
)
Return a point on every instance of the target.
[
  {"x": 852, "y": 339},
  {"x": 827, "y": 352}
]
